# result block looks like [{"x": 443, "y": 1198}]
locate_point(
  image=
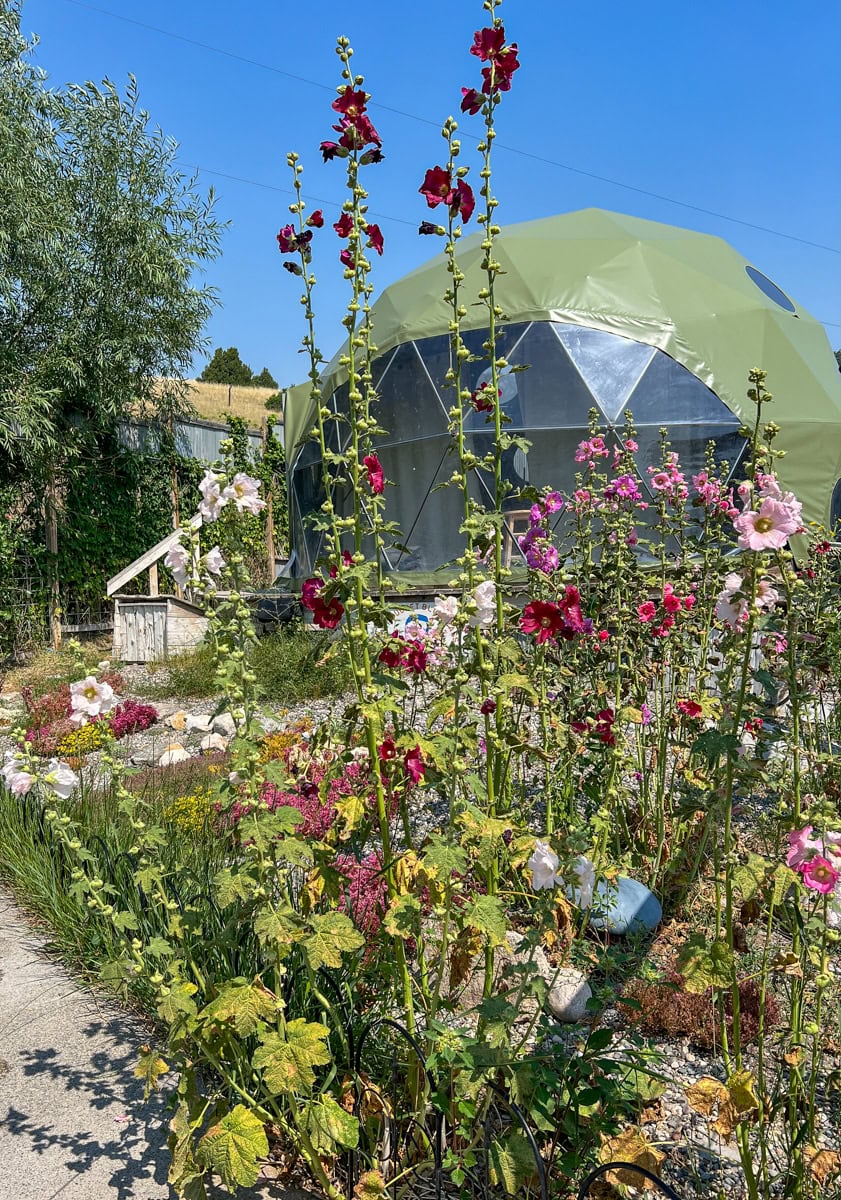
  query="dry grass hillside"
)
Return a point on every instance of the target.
[{"x": 211, "y": 402}]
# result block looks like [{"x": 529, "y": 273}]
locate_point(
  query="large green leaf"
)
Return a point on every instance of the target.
[
  {"x": 329, "y": 1126},
  {"x": 487, "y": 915},
  {"x": 279, "y": 927},
  {"x": 287, "y": 1062},
  {"x": 241, "y": 1004},
  {"x": 705, "y": 964},
  {"x": 402, "y": 918},
  {"x": 444, "y": 856},
  {"x": 232, "y": 1147},
  {"x": 332, "y": 936}
]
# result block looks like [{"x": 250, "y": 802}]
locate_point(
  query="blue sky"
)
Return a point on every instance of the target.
[{"x": 731, "y": 108}]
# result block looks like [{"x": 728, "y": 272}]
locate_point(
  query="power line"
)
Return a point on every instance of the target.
[{"x": 436, "y": 125}]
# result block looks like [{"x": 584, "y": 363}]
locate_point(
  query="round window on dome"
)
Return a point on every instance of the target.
[{"x": 770, "y": 289}]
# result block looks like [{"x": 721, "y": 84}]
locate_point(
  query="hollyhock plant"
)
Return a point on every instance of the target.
[
  {"x": 243, "y": 491},
  {"x": 376, "y": 476},
  {"x": 89, "y": 698},
  {"x": 60, "y": 778},
  {"x": 177, "y": 560},
  {"x": 543, "y": 865},
  {"x": 17, "y": 778},
  {"x": 213, "y": 500},
  {"x": 767, "y": 528}
]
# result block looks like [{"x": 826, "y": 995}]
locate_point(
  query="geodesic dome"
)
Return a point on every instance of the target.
[{"x": 607, "y": 312}]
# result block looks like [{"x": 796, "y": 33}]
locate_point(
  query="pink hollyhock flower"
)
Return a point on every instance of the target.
[
  {"x": 661, "y": 481},
  {"x": 819, "y": 875},
  {"x": 646, "y": 714},
  {"x": 471, "y": 101},
  {"x": 553, "y": 502},
  {"x": 344, "y": 225},
  {"x": 688, "y": 602},
  {"x": 767, "y": 595},
  {"x": 375, "y": 238},
  {"x": 671, "y": 602},
  {"x": 542, "y": 618},
  {"x": 414, "y": 764},
  {"x": 376, "y": 477},
  {"x": 437, "y": 187},
  {"x": 17, "y": 778},
  {"x": 647, "y": 611},
  {"x": 769, "y": 528},
  {"x": 631, "y": 446},
  {"x": 801, "y": 846},
  {"x": 690, "y": 708}
]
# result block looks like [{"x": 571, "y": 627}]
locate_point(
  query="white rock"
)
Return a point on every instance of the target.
[
  {"x": 214, "y": 741},
  {"x": 201, "y": 721},
  {"x": 177, "y": 720},
  {"x": 174, "y": 753},
  {"x": 568, "y": 995},
  {"x": 224, "y": 724}
]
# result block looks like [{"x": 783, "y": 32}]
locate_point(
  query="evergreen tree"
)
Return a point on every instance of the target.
[
  {"x": 264, "y": 379},
  {"x": 226, "y": 366}
]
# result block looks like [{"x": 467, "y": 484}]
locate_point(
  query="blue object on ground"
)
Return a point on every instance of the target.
[{"x": 625, "y": 906}]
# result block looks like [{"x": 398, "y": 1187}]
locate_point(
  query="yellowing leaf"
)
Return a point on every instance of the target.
[
  {"x": 350, "y": 810},
  {"x": 823, "y": 1164},
  {"x": 243, "y": 1005},
  {"x": 788, "y": 963},
  {"x": 630, "y": 1146},
  {"x": 402, "y": 918},
  {"x": 704, "y": 965},
  {"x": 287, "y": 1062},
  {"x": 149, "y": 1068},
  {"x": 232, "y": 1147},
  {"x": 741, "y": 1086},
  {"x": 332, "y": 936},
  {"x": 487, "y": 915},
  {"x": 704, "y": 1094},
  {"x": 371, "y": 1186},
  {"x": 330, "y": 1128}
]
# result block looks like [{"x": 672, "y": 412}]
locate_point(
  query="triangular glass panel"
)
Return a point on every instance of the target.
[
  {"x": 548, "y": 393},
  {"x": 408, "y": 406},
  {"x": 669, "y": 394},
  {"x": 610, "y": 365}
]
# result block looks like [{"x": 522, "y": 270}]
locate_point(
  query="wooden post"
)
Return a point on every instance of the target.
[
  {"x": 230, "y": 386},
  {"x": 153, "y": 579},
  {"x": 270, "y": 546},
  {"x": 51, "y": 531}
]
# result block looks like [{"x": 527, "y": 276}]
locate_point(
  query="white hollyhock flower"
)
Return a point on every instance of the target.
[
  {"x": 15, "y": 775},
  {"x": 543, "y": 865},
  {"x": 213, "y": 498},
  {"x": 243, "y": 491},
  {"x": 484, "y": 597},
  {"x": 60, "y": 778},
  {"x": 214, "y": 562},
  {"x": 586, "y": 873},
  {"x": 177, "y": 558},
  {"x": 88, "y": 698},
  {"x": 445, "y": 610}
]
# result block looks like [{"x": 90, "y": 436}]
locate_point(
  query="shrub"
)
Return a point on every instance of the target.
[
  {"x": 665, "y": 1007},
  {"x": 131, "y": 717}
]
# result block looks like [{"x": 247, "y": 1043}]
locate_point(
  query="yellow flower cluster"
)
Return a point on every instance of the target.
[
  {"x": 191, "y": 814},
  {"x": 81, "y": 741},
  {"x": 275, "y": 744}
]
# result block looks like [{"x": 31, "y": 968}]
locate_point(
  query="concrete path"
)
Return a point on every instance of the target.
[{"x": 73, "y": 1123}]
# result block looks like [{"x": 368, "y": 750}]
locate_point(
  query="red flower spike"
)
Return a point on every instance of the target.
[
  {"x": 437, "y": 187},
  {"x": 376, "y": 476},
  {"x": 375, "y": 237}
]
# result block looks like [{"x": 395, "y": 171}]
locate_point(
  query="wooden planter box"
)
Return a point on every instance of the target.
[{"x": 151, "y": 628}]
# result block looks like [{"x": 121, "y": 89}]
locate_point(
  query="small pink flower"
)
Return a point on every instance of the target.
[
  {"x": 819, "y": 875},
  {"x": 647, "y": 611},
  {"x": 769, "y": 528},
  {"x": 801, "y": 846}
]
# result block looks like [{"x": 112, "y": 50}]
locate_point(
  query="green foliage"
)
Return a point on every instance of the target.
[
  {"x": 227, "y": 367},
  {"x": 232, "y": 1147},
  {"x": 264, "y": 379}
]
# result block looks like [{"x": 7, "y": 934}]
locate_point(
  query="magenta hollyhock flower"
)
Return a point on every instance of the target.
[
  {"x": 463, "y": 202},
  {"x": 414, "y": 764},
  {"x": 376, "y": 477},
  {"x": 690, "y": 708},
  {"x": 391, "y": 652},
  {"x": 327, "y": 616},
  {"x": 346, "y": 259},
  {"x": 311, "y": 591},
  {"x": 350, "y": 103},
  {"x": 769, "y": 528},
  {"x": 820, "y": 875},
  {"x": 553, "y": 502},
  {"x": 487, "y": 43},
  {"x": 332, "y": 150},
  {"x": 542, "y": 618},
  {"x": 471, "y": 101},
  {"x": 375, "y": 238},
  {"x": 483, "y": 398},
  {"x": 414, "y": 657},
  {"x": 647, "y": 611},
  {"x": 646, "y": 715},
  {"x": 344, "y": 225},
  {"x": 437, "y": 187},
  {"x": 316, "y": 219}
]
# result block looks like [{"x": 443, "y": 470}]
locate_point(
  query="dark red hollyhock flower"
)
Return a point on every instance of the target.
[
  {"x": 414, "y": 764},
  {"x": 570, "y": 607},
  {"x": 350, "y": 103},
  {"x": 327, "y": 616},
  {"x": 376, "y": 237},
  {"x": 387, "y": 750},
  {"x": 344, "y": 225},
  {"x": 483, "y": 398},
  {"x": 287, "y": 238},
  {"x": 293, "y": 267},
  {"x": 488, "y": 707},
  {"x": 504, "y": 67},
  {"x": 579, "y": 726},
  {"x": 311, "y": 591},
  {"x": 463, "y": 201},
  {"x": 376, "y": 476},
  {"x": 437, "y": 187},
  {"x": 471, "y": 101},
  {"x": 374, "y": 155},
  {"x": 542, "y": 618},
  {"x": 332, "y": 150},
  {"x": 414, "y": 658},
  {"x": 690, "y": 708},
  {"x": 346, "y": 259},
  {"x": 391, "y": 652},
  {"x": 604, "y": 727},
  {"x": 487, "y": 43},
  {"x": 357, "y": 133},
  {"x": 823, "y": 548},
  {"x": 427, "y": 227},
  {"x": 316, "y": 219}
]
